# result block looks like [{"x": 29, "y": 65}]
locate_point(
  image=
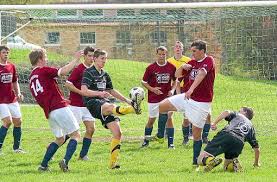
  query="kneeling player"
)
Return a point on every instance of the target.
[{"x": 230, "y": 140}]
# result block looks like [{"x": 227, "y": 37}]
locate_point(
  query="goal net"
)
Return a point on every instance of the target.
[{"x": 241, "y": 36}]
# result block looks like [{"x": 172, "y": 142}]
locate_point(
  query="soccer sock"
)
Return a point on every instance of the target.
[
  {"x": 3, "y": 133},
  {"x": 147, "y": 131},
  {"x": 196, "y": 150},
  {"x": 85, "y": 147},
  {"x": 185, "y": 131},
  {"x": 70, "y": 149},
  {"x": 16, "y": 137},
  {"x": 115, "y": 148},
  {"x": 206, "y": 130},
  {"x": 122, "y": 110},
  {"x": 170, "y": 136},
  {"x": 161, "y": 125},
  {"x": 65, "y": 139},
  {"x": 51, "y": 150}
]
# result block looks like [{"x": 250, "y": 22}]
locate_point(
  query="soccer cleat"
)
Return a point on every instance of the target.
[
  {"x": 44, "y": 169},
  {"x": 145, "y": 144},
  {"x": 63, "y": 166},
  {"x": 154, "y": 138},
  {"x": 136, "y": 103},
  {"x": 212, "y": 164},
  {"x": 85, "y": 158},
  {"x": 237, "y": 165},
  {"x": 114, "y": 166},
  {"x": 19, "y": 151},
  {"x": 186, "y": 141},
  {"x": 171, "y": 146}
]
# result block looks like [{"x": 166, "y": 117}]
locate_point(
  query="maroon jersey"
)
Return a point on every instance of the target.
[
  {"x": 204, "y": 91},
  {"x": 8, "y": 76},
  {"x": 159, "y": 76},
  {"x": 76, "y": 78},
  {"x": 45, "y": 89}
]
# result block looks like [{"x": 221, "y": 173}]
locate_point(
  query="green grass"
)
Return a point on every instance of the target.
[{"x": 155, "y": 163}]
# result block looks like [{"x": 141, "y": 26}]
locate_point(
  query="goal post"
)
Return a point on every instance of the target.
[{"x": 241, "y": 36}]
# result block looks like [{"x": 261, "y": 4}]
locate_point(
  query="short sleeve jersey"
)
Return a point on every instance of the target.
[
  {"x": 96, "y": 81},
  {"x": 8, "y": 76},
  {"x": 241, "y": 127},
  {"x": 204, "y": 91},
  {"x": 75, "y": 78},
  {"x": 44, "y": 88},
  {"x": 159, "y": 76}
]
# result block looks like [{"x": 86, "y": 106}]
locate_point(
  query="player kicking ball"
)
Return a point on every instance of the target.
[{"x": 230, "y": 141}]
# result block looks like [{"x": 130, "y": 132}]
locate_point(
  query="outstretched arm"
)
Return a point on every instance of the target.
[
  {"x": 222, "y": 116},
  {"x": 257, "y": 157},
  {"x": 119, "y": 96},
  {"x": 67, "y": 68}
]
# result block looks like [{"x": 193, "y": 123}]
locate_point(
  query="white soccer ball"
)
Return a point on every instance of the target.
[{"x": 136, "y": 90}]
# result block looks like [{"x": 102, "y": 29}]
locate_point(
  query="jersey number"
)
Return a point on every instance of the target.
[{"x": 36, "y": 87}]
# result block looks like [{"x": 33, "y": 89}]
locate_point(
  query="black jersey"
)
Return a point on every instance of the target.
[
  {"x": 242, "y": 128},
  {"x": 96, "y": 81}
]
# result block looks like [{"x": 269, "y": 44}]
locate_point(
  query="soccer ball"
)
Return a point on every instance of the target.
[{"x": 136, "y": 90}]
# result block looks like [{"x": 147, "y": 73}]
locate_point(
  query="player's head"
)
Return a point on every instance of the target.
[
  {"x": 100, "y": 58},
  {"x": 4, "y": 52},
  {"x": 88, "y": 55},
  {"x": 247, "y": 111},
  {"x": 178, "y": 47},
  {"x": 198, "y": 49},
  {"x": 161, "y": 53},
  {"x": 38, "y": 57}
]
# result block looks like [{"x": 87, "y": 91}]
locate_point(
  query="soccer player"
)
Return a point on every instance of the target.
[
  {"x": 97, "y": 88},
  {"x": 9, "y": 94},
  {"x": 230, "y": 140},
  {"x": 196, "y": 102},
  {"x": 178, "y": 60},
  {"x": 81, "y": 113},
  {"x": 44, "y": 88},
  {"x": 159, "y": 80}
]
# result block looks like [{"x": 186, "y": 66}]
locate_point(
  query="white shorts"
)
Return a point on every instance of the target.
[
  {"x": 10, "y": 110},
  {"x": 153, "y": 110},
  {"x": 196, "y": 112},
  {"x": 81, "y": 114},
  {"x": 62, "y": 122}
]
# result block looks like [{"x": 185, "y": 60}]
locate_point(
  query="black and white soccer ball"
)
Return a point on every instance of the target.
[{"x": 136, "y": 90}]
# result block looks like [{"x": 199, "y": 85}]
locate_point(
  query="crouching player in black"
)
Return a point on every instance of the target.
[{"x": 230, "y": 141}]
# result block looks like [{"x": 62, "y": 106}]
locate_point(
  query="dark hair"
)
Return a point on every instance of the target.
[
  {"x": 99, "y": 52},
  {"x": 35, "y": 55},
  {"x": 4, "y": 47},
  {"x": 200, "y": 45},
  {"x": 88, "y": 49},
  {"x": 249, "y": 112},
  {"x": 161, "y": 48}
]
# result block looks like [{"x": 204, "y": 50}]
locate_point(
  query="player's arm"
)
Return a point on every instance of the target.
[
  {"x": 251, "y": 139},
  {"x": 72, "y": 88},
  {"x": 17, "y": 92},
  {"x": 198, "y": 79},
  {"x": 155, "y": 90},
  {"x": 91, "y": 93},
  {"x": 179, "y": 71},
  {"x": 67, "y": 68},
  {"x": 178, "y": 86},
  {"x": 222, "y": 116},
  {"x": 173, "y": 88},
  {"x": 119, "y": 96},
  {"x": 257, "y": 157}
]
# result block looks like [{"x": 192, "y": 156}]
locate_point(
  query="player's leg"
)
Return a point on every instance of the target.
[
  {"x": 6, "y": 118},
  {"x": 115, "y": 143},
  {"x": 206, "y": 130},
  {"x": 153, "y": 112},
  {"x": 185, "y": 129},
  {"x": 16, "y": 119},
  {"x": 170, "y": 130},
  {"x": 90, "y": 128}
]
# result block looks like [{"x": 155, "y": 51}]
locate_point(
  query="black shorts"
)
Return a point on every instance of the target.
[
  {"x": 225, "y": 143},
  {"x": 95, "y": 108}
]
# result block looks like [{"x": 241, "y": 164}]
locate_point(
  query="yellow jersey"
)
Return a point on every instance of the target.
[{"x": 178, "y": 63}]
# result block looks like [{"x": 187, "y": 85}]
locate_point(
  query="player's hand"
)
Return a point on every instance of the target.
[
  {"x": 186, "y": 67},
  {"x": 188, "y": 94},
  {"x": 20, "y": 97},
  {"x": 79, "y": 54},
  {"x": 257, "y": 165},
  {"x": 170, "y": 93},
  {"x": 157, "y": 90},
  {"x": 105, "y": 94},
  {"x": 213, "y": 126}
]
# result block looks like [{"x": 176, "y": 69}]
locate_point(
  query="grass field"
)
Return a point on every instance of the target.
[{"x": 155, "y": 163}]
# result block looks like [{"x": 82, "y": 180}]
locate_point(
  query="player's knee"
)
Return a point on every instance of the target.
[
  {"x": 60, "y": 140},
  {"x": 107, "y": 108},
  {"x": 17, "y": 122},
  {"x": 7, "y": 122},
  {"x": 90, "y": 130},
  {"x": 75, "y": 135}
]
